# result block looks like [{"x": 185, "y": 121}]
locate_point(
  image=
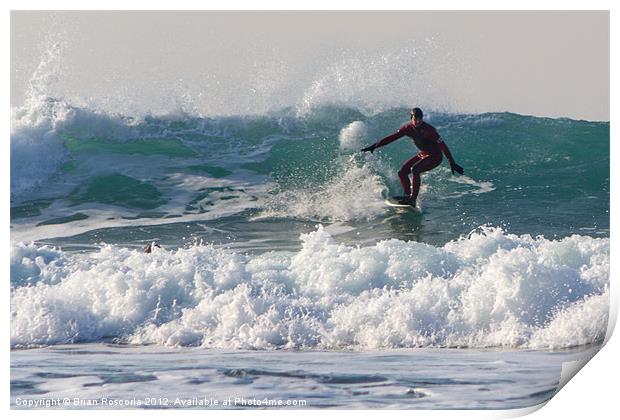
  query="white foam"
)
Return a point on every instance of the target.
[
  {"x": 100, "y": 216},
  {"x": 490, "y": 289},
  {"x": 353, "y": 136},
  {"x": 355, "y": 192},
  {"x": 36, "y": 149},
  {"x": 481, "y": 187},
  {"x": 28, "y": 263}
]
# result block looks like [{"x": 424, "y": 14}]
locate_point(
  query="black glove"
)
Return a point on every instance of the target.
[
  {"x": 370, "y": 149},
  {"x": 456, "y": 168}
]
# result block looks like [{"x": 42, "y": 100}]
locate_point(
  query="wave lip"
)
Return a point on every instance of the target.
[
  {"x": 491, "y": 289},
  {"x": 36, "y": 149}
]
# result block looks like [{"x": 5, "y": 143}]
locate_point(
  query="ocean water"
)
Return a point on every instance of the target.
[
  {"x": 281, "y": 272},
  {"x": 106, "y": 376}
]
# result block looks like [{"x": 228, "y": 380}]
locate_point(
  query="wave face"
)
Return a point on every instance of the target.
[
  {"x": 75, "y": 169},
  {"x": 488, "y": 289}
]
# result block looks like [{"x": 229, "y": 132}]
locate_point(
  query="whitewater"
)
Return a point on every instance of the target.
[{"x": 490, "y": 289}]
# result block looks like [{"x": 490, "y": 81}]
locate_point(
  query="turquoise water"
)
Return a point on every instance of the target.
[{"x": 227, "y": 180}]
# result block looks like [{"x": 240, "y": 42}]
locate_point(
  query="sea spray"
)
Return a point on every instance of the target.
[
  {"x": 353, "y": 136},
  {"x": 354, "y": 192}
]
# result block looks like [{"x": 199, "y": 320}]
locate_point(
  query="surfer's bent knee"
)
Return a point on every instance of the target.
[{"x": 404, "y": 171}]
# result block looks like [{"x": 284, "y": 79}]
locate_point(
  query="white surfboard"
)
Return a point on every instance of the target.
[{"x": 394, "y": 202}]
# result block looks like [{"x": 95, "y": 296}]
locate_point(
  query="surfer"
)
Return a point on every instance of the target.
[{"x": 431, "y": 147}]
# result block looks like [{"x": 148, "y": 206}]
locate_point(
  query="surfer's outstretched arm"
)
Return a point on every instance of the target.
[
  {"x": 454, "y": 167},
  {"x": 386, "y": 140}
]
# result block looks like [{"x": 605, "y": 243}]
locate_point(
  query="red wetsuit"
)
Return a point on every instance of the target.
[{"x": 431, "y": 147}]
